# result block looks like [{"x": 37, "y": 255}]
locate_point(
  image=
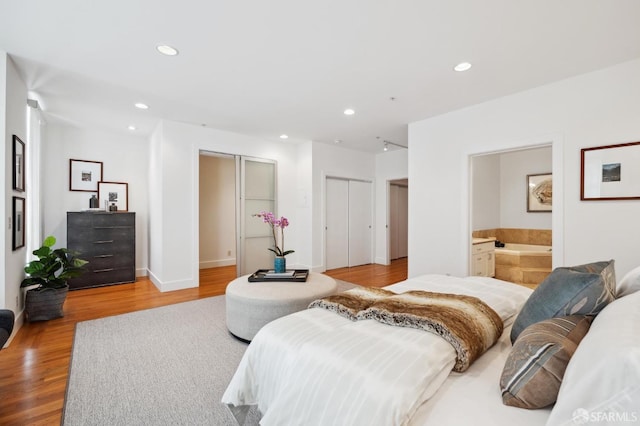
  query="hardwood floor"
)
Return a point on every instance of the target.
[
  {"x": 34, "y": 368},
  {"x": 372, "y": 275}
]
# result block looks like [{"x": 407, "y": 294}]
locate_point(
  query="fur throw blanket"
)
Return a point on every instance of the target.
[{"x": 466, "y": 322}]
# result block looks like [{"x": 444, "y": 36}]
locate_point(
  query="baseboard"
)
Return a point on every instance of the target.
[
  {"x": 217, "y": 263},
  {"x": 171, "y": 285},
  {"x": 142, "y": 272}
]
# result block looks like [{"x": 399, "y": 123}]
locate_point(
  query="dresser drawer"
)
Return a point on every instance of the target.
[{"x": 103, "y": 277}]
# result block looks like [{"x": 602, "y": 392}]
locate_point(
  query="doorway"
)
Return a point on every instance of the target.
[
  {"x": 499, "y": 209},
  {"x": 232, "y": 189},
  {"x": 398, "y": 219}
]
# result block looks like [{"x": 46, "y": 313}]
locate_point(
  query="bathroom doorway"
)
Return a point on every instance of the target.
[{"x": 499, "y": 196}]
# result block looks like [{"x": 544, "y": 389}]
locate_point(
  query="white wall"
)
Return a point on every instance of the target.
[
  {"x": 485, "y": 192},
  {"x": 389, "y": 165},
  {"x": 174, "y": 257},
  {"x": 333, "y": 161},
  {"x": 13, "y": 121},
  {"x": 594, "y": 109},
  {"x": 124, "y": 158},
  {"x": 514, "y": 168},
  {"x": 217, "y": 211}
]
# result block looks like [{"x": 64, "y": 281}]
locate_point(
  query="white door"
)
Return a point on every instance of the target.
[
  {"x": 257, "y": 193},
  {"x": 337, "y": 223},
  {"x": 360, "y": 220}
]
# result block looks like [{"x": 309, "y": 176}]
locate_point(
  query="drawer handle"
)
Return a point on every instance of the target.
[
  {"x": 104, "y": 255},
  {"x": 104, "y": 270},
  {"x": 103, "y": 242}
]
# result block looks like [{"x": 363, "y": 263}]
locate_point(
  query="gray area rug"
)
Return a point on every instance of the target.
[{"x": 162, "y": 366}]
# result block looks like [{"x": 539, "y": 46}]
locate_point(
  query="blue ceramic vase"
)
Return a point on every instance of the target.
[{"x": 279, "y": 264}]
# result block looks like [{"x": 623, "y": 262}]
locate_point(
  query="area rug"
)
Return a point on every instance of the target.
[{"x": 162, "y": 366}]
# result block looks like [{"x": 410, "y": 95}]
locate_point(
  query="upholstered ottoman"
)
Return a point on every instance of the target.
[{"x": 250, "y": 305}]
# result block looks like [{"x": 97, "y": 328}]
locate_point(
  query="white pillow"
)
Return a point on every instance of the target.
[
  {"x": 630, "y": 283},
  {"x": 602, "y": 380}
]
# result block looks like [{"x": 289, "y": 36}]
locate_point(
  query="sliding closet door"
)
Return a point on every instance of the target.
[
  {"x": 337, "y": 228},
  {"x": 348, "y": 218},
  {"x": 360, "y": 219},
  {"x": 257, "y": 193}
]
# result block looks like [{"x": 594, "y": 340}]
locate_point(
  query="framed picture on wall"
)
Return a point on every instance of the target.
[
  {"x": 84, "y": 175},
  {"x": 18, "y": 164},
  {"x": 539, "y": 193},
  {"x": 114, "y": 194},
  {"x": 610, "y": 172},
  {"x": 18, "y": 223}
]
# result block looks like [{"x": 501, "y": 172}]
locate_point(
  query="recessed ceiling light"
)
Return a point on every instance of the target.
[
  {"x": 462, "y": 66},
  {"x": 284, "y": 136},
  {"x": 337, "y": 141},
  {"x": 142, "y": 106},
  {"x": 167, "y": 50},
  {"x": 349, "y": 111},
  {"x": 132, "y": 128}
]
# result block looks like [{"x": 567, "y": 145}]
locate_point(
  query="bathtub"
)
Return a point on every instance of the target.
[
  {"x": 529, "y": 249},
  {"x": 527, "y": 264}
]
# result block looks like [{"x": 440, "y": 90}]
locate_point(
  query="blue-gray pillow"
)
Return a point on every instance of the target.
[{"x": 577, "y": 290}]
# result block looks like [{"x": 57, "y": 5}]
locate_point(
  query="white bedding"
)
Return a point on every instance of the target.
[{"x": 317, "y": 368}]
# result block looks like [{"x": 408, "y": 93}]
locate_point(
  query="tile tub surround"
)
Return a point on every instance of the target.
[
  {"x": 525, "y": 264},
  {"x": 517, "y": 235}
]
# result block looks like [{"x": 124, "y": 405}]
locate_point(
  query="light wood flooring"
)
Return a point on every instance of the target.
[{"x": 34, "y": 368}]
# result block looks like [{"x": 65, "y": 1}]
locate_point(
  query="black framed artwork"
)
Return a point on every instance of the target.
[
  {"x": 18, "y": 164},
  {"x": 18, "y": 225}
]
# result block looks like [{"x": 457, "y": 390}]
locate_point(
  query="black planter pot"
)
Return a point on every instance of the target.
[{"x": 45, "y": 303}]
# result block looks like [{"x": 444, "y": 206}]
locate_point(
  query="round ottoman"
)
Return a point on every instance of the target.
[{"x": 250, "y": 305}]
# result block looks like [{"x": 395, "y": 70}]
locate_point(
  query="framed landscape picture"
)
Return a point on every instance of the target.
[
  {"x": 610, "y": 172},
  {"x": 84, "y": 175}
]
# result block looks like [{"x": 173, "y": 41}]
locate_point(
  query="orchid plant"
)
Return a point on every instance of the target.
[{"x": 271, "y": 220}]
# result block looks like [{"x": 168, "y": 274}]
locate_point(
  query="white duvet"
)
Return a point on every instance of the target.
[{"x": 317, "y": 368}]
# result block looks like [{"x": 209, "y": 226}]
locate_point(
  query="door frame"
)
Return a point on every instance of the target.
[
  {"x": 239, "y": 204},
  {"x": 556, "y": 142}
]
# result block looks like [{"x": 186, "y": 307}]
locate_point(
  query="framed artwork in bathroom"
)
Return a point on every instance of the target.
[
  {"x": 610, "y": 172},
  {"x": 539, "y": 193}
]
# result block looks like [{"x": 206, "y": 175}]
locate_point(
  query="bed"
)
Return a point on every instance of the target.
[{"x": 317, "y": 368}]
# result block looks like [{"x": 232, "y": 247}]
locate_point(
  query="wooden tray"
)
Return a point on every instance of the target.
[{"x": 299, "y": 275}]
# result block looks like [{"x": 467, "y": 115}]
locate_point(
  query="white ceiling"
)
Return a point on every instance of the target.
[{"x": 265, "y": 68}]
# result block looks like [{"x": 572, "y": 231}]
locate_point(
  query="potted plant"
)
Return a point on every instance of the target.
[
  {"x": 49, "y": 274},
  {"x": 279, "y": 262}
]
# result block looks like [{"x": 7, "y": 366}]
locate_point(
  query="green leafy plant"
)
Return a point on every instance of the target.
[{"x": 53, "y": 267}]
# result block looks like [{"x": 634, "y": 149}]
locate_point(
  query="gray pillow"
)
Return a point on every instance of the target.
[
  {"x": 577, "y": 290},
  {"x": 536, "y": 364}
]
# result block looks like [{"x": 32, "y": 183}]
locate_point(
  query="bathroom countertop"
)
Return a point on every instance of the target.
[{"x": 483, "y": 240}]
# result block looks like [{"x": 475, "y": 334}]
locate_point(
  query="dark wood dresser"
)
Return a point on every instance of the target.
[{"x": 108, "y": 241}]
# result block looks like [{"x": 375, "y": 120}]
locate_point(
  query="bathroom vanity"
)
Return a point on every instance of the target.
[{"x": 483, "y": 259}]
